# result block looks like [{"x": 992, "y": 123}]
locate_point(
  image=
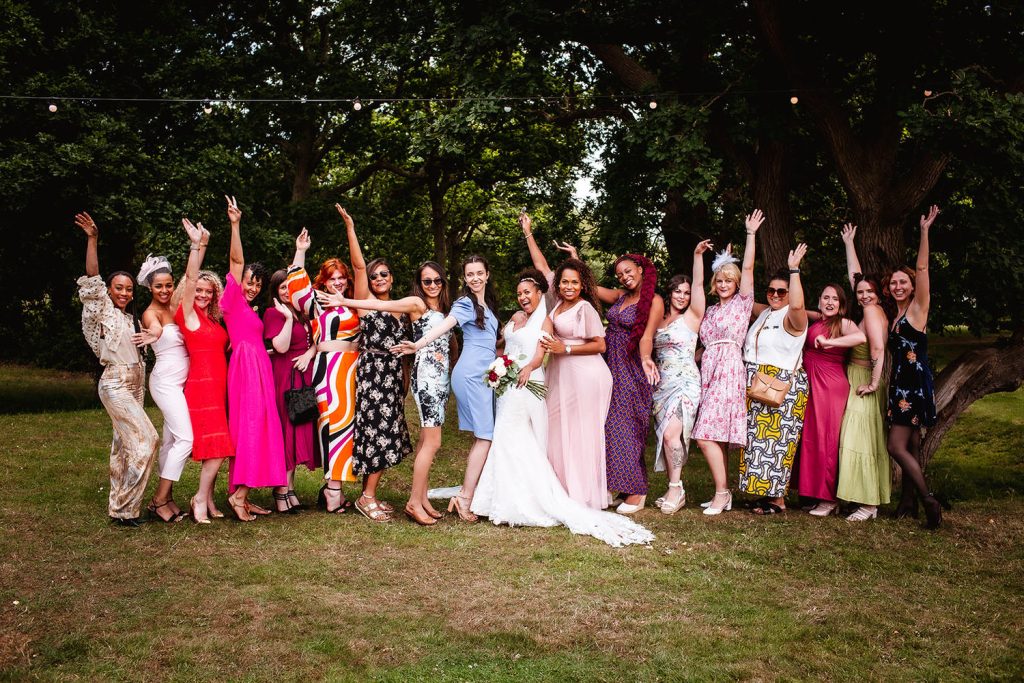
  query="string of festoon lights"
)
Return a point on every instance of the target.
[{"x": 508, "y": 103}]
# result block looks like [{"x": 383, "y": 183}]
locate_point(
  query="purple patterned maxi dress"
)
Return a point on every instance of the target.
[{"x": 629, "y": 416}]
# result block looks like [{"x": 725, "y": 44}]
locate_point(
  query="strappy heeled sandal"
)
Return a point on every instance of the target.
[
  {"x": 286, "y": 499},
  {"x": 465, "y": 514},
  {"x": 176, "y": 517},
  {"x": 672, "y": 508},
  {"x": 295, "y": 506}
]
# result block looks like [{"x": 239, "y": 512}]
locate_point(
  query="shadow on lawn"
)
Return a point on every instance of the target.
[{"x": 29, "y": 390}]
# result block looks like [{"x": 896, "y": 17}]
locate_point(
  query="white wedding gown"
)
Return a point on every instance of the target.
[{"x": 517, "y": 486}]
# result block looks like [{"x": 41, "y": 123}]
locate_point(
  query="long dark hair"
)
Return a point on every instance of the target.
[
  {"x": 276, "y": 279},
  {"x": 490, "y": 298},
  {"x": 643, "y": 305},
  {"x": 443, "y": 298},
  {"x": 589, "y": 287}
]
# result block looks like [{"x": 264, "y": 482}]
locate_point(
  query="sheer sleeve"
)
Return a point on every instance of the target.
[
  {"x": 300, "y": 291},
  {"x": 588, "y": 322},
  {"x": 462, "y": 310}
]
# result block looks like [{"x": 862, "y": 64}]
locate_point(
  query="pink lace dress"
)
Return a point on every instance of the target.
[{"x": 722, "y": 415}]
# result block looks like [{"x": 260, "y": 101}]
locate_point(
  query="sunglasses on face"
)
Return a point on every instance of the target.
[
  {"x": 782, "y": 291},
  {"x": 380, "y": 274},
  {"x": 426, "y": 282}
]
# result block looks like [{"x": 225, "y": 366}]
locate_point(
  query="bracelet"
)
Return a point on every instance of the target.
[
  {"x": 203, "y": 244},
  {"x": 194, "y": 247},
  {"x": 527, "y": 235},
  {"x": 568, "y": 350},
  {"x": 794, "y": 271}
]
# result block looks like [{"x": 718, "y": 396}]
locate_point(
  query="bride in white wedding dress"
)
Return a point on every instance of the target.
[{"x": 518, "y": 486}]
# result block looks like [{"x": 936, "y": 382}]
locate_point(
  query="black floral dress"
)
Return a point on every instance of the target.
[
  {"x": 911, "y": 396},
  {"x": 382, "y": 436}
]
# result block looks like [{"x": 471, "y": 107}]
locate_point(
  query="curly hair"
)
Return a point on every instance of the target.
[
  {"x": 647, "y": 294},
  {"x": 213, "y": 310},
  {"x": 588, "y": 290},
  {"x": 535, "y": 276},
  {"x": 328, "y": 267}
]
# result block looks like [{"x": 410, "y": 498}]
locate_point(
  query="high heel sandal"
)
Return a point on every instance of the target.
[
  {"x": 932, "y": 512},
  {"x": 711, "y": 510},
  {"x": 433, "y": 513},
  {"x": 244, "y": 515},
  {"x": 286, "y": 499},
  {"x": 174, "y": 518},
  {"x": 322, "y": 503},
  {"x": 195, "y": 517},
  {"x": 672, "y": 508},
  {"x": 422, "y": 517},
  {"x": 863, "y": 513},
  {"x": 295, "y": 506},
  {"x": 465, "y": 514},
  {"x": 824, "y": 508}
]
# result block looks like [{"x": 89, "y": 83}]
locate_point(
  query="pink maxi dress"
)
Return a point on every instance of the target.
[
  {"x": 579, "y": 393},
  {"x": 722, "y": 415},
  {"x": 253, "y": 420},
  {"x": 818, "y": 458}
]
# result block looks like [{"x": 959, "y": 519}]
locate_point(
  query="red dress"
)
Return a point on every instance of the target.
[
  {"x": 818, "y": 464},
  {"x": 206, "y": 389}
]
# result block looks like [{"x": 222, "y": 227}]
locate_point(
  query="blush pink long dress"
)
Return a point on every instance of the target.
[{"x": 253, "y": 419}]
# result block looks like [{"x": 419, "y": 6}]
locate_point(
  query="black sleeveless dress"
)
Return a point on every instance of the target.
[{"x": 911, "y": 394}]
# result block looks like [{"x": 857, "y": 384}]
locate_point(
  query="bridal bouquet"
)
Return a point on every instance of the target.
[{"x": 504, "y": 372}]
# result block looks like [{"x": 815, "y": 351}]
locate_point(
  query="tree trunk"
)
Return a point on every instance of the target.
[
  {"x": 770, "y": 192},
  {"x": 679, "y": 231},
  {"x": 304, "y": 158},
  {"x": 972, "y": 375}
]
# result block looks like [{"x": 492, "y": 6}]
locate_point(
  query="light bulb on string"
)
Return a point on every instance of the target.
[
  {"x": 52, "y": 107},
  {"x": 507, "y": 108},
  {"x": 207, "y": 108},
  {"x": 927, "y": 93},
  {"x": 653, "y": 104},
  {"x": 302, "y": 99},
  {"x": 357, "y": 104},
  {"x": 794, "y": 99}
]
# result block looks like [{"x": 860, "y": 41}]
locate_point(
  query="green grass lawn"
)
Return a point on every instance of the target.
[{"x": 313, "y": 597}]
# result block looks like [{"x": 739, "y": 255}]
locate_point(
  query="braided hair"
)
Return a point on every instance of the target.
[{"x": 643, "y": 306}]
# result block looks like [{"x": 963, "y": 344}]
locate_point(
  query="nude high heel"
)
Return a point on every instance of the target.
[{"x": 465, "y": 514}]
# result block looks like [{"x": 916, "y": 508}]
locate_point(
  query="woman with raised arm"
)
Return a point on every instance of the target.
[
  {"x": 253, "y": 420},
  {"x": 476, "y": 313},
  {"x": 863, "y": 458},
  {"x": 166, "y": 382},
  {"x": 426, "y": 308},
  {"x": 291, "y": 355},
  {"x": 911, "y": 396},
  {"x": 579, "y": 387},
  {"x": 773, "y": 348},
  {"x": 206, "y": 388},
  {"x": 722, "y": 415},
  {"x": 678, "y": 392},
  {"x": 108, "y": 329},
  {"x": 829, "y": 339},
  {"x": 336, "y": 337}
]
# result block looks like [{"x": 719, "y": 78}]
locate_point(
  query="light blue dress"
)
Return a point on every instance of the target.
[{"x": 475, "y": 399}]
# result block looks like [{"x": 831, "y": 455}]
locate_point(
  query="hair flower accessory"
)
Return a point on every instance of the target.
[{"x": 722, "y": 259}]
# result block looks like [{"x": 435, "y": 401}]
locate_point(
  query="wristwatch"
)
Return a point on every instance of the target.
[{"x": 568, "y": 350}]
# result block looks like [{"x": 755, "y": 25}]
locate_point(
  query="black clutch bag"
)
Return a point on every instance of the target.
[{"x": 300, "y": 402}]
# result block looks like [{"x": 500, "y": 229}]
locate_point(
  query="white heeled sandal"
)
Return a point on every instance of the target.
[
  {"x": 627, "y": 509},
  {"x": 863, "y": 513},
  {"x": 825, "y": 508},
  {"x": 671, "y": 508},
  {"x": 711, "y": 510}
]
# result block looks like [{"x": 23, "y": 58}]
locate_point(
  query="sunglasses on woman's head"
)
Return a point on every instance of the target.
[
  {"x": 380, "y": 274},
  {"x": 426, "y": 282},
  {"x": 782, "y": 291}
]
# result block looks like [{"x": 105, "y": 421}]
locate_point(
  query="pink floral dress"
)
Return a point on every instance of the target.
[{"x": 722, "y": 415}]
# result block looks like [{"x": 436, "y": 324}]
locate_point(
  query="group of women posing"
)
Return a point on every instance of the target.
[{"x": 533, "y": 461}]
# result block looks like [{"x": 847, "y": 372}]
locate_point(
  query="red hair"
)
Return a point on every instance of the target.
[
  {"x": 643, "y": 306},
  {"x": 328, "y": 267}
]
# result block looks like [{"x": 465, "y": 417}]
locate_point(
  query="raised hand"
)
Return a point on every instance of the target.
[
  {"x": 87, "y": 224},
  {"x": 194, "y": 232},
  {"x": 753, "y": 221},
  {"x": 526, "y": 223},
  {"x": 234, "y": 213},
  {"x": 571, "y": 250},
  {"x": 849, "y": 232},
  {"x": 349, "y": 223},
  {"x": 205, "y": 238},
  {"x": 926, "y": 221},
  {"x": 282, "y": 309},
  {"x": 703, "y": 246},
  {"x": 302, "y": 242},
  {"x": 796, "y": 256}
]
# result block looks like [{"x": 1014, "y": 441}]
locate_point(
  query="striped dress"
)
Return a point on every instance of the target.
[{"x": 334, "y": 375}]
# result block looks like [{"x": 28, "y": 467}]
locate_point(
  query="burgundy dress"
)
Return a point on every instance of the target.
[
  {"x": 299, "y": 448},
  {"x": 818, "y": 465},
  {"x": 629, "y": 415}
]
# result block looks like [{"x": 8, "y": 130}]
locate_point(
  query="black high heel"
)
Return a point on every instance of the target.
[
  {"x": 295, "y": 506},
  {"x": 342, "y": 506},
  {"x": 283, "y": 498},
  {"x": 932, "y": 512}
]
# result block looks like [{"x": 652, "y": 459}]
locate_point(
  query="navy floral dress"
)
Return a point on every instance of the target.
[
  {"x": 911, "y": 395},
  {"x": 430, "y": 371},
  {"x": 382, "y": 435}
]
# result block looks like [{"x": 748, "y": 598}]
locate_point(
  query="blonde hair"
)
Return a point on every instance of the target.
[
  {"x": 730, "y": 271},
  {"x": 213, "y": 310}
]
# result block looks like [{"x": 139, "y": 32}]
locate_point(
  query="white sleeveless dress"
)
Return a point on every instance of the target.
[
  {"x": 517, "y": 486},
  {"x": 166, "y": 385}
]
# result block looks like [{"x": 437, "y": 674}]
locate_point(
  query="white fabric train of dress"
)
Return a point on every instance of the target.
[{"x": 518, "y": 486}]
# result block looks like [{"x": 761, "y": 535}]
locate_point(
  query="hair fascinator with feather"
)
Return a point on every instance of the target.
[
  {"x": 722, "y": 259},
  {"x": 150, "y": 267}
]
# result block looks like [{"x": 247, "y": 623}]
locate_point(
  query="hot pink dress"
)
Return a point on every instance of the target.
[
  {"x": 722, "y": 415},
  {"x": 253, "y": 420},
  {"x": 818, "y": 459},
  {"x": 579, "y": 392}
]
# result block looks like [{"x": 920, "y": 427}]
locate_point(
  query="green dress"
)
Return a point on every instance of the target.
[{"x": 863, "y": 457}]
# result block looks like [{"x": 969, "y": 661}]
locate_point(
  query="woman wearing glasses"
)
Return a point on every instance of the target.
[{"x": 773, "y": 346}]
